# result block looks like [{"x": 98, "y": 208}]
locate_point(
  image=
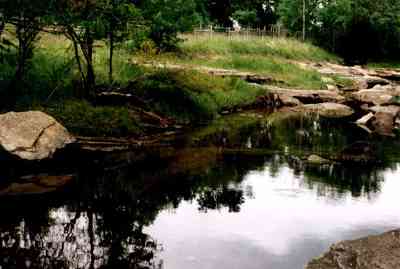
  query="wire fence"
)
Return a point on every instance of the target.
[{"x": 242, "y": 33}]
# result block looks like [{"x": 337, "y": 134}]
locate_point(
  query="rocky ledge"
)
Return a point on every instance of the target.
[{"x": 372, "y": 252}]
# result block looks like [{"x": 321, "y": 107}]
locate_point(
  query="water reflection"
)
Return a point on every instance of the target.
[
  {"x": 247, "y": 198},
  {"x": 286, "y": 223}
]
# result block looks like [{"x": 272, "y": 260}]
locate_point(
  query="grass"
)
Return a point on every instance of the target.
[
  {"x": 289, "y": 74},
  {"x": 286, "y": 48},
  {"x": 273, "y": 57},
  {"x": 82, "y": 118},
  {"x": 189, "y": 96}
]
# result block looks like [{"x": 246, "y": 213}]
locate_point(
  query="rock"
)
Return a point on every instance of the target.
[
  {"x": 329, "y": 110},
  {"x": 36, "y": 184},
  {"x": 391, "y": 109},
  {"x": 375, "y": 97},
  {"x": 365, "y": 119},
  {"x": 32, "y": 135},
  {"x": 315, "y": 159},
  {"x": 365, "y": 107},
  {"x": 368, "y": 82},
  {"x": 372, "y": 252},
  {"x": 308, "y": 96},
  {"x": 379, "y": 95},
  {"x": 383, "y": 123},
  {"x": 388, "y": 74},
  {"x": 289, "y": 101},
  {"x": 331, "y": 87}
]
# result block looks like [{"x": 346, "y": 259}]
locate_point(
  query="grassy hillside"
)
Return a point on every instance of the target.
[
  {"x": 285, "y": 48},
  {"x": 274, "y": 57}
]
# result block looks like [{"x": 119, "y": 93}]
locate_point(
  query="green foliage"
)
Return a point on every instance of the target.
[
  {"x": 168, "y": 18},
  {"x": 49, "y": 78},
  {"x": 254, "y": 13},
  {"x": 245, "y": 17},
  {"x": 80, "y": 117},
  {"x": 358, "y": 30},
  {"x": 27, "y": 19},
  {"x": 118, "y": 17},
  {"x": 124, "y": 72},
  {"x": 291, "y": 14},
  {"x": 361, "y": 29}
]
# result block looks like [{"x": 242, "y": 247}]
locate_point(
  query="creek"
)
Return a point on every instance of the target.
[{"x": 238, "y": 193}]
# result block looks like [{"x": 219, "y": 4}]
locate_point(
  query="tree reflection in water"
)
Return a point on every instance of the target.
[
  {"x": 99, "y": 220},
  {"x": 85, "y": 227},
  {"x": 219, "y": 198}
]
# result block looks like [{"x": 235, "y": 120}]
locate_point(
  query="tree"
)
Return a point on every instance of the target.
[
  {"x": 28, "y": 17},
  {"x": 220, "y": 11},
  {"x": 360, "y": 30},
  {"x": 167, "y": 18},
  {"x": 259, "y": 13},
  {"x": 255, "y": 13},
  {"x": 299, "y": 16},
  {"x": 81, "y": 23},
  {"x": 119, "y": 17}
]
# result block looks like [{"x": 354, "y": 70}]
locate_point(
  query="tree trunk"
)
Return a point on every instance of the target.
[
  {"x": 90, "y": 76},
  {"x": 110, "y": 71},
  {"x": 304, "y": 20}
]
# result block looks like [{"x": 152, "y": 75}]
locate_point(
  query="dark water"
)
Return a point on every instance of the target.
[{"x": 235, "y": 194}]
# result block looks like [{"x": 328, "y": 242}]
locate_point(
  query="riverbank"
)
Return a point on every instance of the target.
[{"x": 144, "y": 100}]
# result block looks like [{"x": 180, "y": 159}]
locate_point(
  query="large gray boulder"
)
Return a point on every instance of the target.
[
  {"x": 32, "y": 135},
  {"x": 373, "y": 252}
]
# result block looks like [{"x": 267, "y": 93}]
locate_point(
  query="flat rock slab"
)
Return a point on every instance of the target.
[
  {"x": 379, "y": 95},
  {"x": 327, "y": 110},
  {"x": 373, "y": 252},
  {"x": 308, "y": 96},
  {"x": 32, "y": 135},
  {"x": 391, "y": 109}
]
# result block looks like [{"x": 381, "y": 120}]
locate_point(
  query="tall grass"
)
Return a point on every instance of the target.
[{"x": 286, "y": 48}]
